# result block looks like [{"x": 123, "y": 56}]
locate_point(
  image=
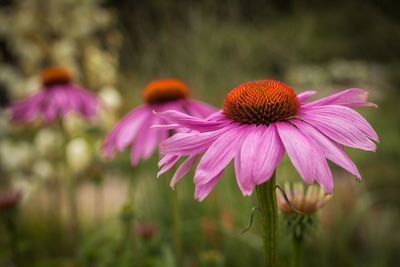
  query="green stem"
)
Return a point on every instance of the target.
[
  {"x": 71, "y": 193},
  {"x": 269, "y": 210},
  {"x": 177, "y": 228},
  {"x": 73, "y": 209},
  {"x": 297, "y": 252}
]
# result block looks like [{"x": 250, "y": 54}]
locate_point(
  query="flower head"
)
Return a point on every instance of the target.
[
  {"x": 299, "y": 216},
  {"x": 58, "y": 97},
  {"x": 135, "y": 128},
  {"x": 308, "y": 202},
  {"x": 261, "y": 120},
  {"x": 165, "y": 90}
]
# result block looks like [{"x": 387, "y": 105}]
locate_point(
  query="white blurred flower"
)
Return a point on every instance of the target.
[
  {"x": 110, "y": 97},
  {"x": 74, "y": 124},
  {"x": 79, "y": 155},
  {"x": 15, "y": 156},
  {"x": 43, "y": 169},
  {"x": 107, "y": 119},
  {"x": 20, "y": 183},
  {"x": 48, "y": 142}
]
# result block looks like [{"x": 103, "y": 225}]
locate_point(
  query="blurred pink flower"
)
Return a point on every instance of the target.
[
  {"x": 58, "y": 97},
  {"x": 135, "y": 128},
  {"x": 259, "y": 122}
]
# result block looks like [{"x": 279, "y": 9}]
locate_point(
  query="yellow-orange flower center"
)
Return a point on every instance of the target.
[
  {"x": 55, "y": 75},
  {"x": 261, "y": 102},
  {"x": 165, "y": 90}
]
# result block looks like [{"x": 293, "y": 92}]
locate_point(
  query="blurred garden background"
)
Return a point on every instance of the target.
[{"x": 115, "y": 48}]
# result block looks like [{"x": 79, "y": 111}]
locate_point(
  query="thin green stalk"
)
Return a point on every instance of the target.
[
  {"x": 297, "y": 252},
  {"x": 73, "y": 209},
  {"x": 177, "y": 228},
  {"x": 269, "y": 215},
  {"x": 71, "y": 188}
]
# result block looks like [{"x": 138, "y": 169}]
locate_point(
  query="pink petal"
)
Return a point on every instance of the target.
[
  {"x": 87, "y": 101},
  {"x": 260, "y": 153},
  {"x": 218, "y": 156},
  {"x": 352, "y": 97},
  {"x": 185, "y": 144},
  {"x": 126, "y": 130},
  {"x": 28, "y": 109},
  {"x": 142, "y": 138},
  {"x": 189, "y": 122},
  {"x": 152, "y": 140},
  {"x": 343, "y": 125},
  {"x": 270, "y": 152},
  {"x": 305, "y": 95},
  {"x": 166, "y": 163},
  {"x": 299, "y": 150},
  {"x": 183, "y": 170},
  {"x": 49, "y": 108},
  {"x": 306, "y": 156},
  {"x": 245, "y": 159},
  {"x": 330, "y": 149},
  {"x": 202, "y": 190}
]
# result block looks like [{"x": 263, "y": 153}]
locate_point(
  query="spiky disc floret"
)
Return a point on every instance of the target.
[
  {"x": 261, "y": 102},
  {"x": 55, "y": 75},
  {"x": 165, "y": 90}
]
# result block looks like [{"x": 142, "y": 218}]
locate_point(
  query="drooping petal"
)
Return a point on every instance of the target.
[
  {"x": 202, "y": 190},
  {"x": 270, "y": 151},
  {"x": 323, "y": 173},
  {"x": 141, "y": 140},
  {"x": 218, "y": 156},
  {"x": 303, "y": 96},
  {"x": 183, "y": 170},
  {"x": 126, "y": 130},
  {"x": 353, "y": 97},
  {"x": 166, "y": 163},
  {"x": 299, "y": 150},
  {"x": 28, "y": 109},
  {"x": 258, "y": 157},
  {"x": 189, "y": 122},
  {"x": 185, "y": 144},
  {"x": 343, "y": 125},
  {"x": 152, "y": 140},
  {"x": 245, "y": 159},
  {"x": 330, "y": 149},
  {"x": 306, "y": 156}
]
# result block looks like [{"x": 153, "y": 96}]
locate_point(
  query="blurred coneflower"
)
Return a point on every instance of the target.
[
  {"x": 135, "y": 128},
  {"x": 58, "y": 97}
]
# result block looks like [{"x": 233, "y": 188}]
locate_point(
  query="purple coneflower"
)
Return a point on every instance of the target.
[
  {"x": 261, "y": 120},
  {"x": 135, "y": 128},
  {"x": 58, "y": 97}
]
